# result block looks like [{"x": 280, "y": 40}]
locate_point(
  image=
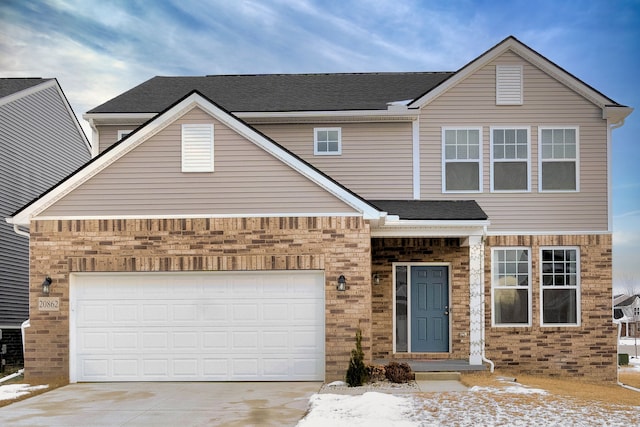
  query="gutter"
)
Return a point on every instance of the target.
[{"x": 16, "y": 228}]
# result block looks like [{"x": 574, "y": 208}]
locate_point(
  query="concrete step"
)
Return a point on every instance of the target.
[{"x": 437, "y": 376}]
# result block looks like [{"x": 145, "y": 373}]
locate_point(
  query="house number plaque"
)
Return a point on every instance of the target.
[{"x": 49, "y": 304}]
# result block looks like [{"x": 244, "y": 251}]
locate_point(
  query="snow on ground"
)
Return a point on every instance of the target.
[
  {"x": 513, "y": 405},
  {"x": 13, "y": 391},
  {"x": 370, "y": 409}
]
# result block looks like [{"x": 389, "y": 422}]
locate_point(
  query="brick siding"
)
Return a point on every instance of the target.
[
  {"x": 418, "y": 250},
  {"x": 336, "y": 245},
  {"x": 588, "y": 350}
]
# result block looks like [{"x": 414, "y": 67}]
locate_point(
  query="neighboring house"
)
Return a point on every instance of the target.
[
  {"x": 626, "y": 310},
  {"x": 41, "y": 142},
  {"x": 247, "y": 226}
]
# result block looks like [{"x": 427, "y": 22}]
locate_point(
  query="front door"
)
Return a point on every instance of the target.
[{"x": 429, "y": 309}]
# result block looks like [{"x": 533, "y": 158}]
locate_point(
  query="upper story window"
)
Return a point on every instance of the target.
[
  {"x": 511, "y": 286},
  {"x": 558, "y": 149},
  {"x": 510, "y": 152},
  {"x": 123, "y": 133},
  {"x": 462, "y": 165},
  {"x": 560, "y": 286},
  {"x": 197, "y": 148},
  {"x": 327, "y": 141},
  {"x": 509, "y": 85}
]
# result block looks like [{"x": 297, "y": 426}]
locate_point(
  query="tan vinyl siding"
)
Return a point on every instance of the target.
[
  {"x": 148, "y": 181},
  {"x": 547, "y": 102},
  {"x": 109, "y": 134},
  {"x": 376, "y": 159}
]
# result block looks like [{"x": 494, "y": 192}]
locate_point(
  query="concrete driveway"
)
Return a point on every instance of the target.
[{"x": 165, "y": 404}]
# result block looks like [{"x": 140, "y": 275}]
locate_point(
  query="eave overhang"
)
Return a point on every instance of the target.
[
  {"x": 392, "y": 227},
  {"x": 616, "y": 114}
]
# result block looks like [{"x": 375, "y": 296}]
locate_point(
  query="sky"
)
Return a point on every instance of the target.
[{"x": 99, "y": 49}]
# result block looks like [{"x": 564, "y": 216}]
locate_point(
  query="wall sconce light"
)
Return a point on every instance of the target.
[
  {"x": 376, "y": 279},
  {"x": 342, "y": 284},
  {"x": 46, "y": 285}
]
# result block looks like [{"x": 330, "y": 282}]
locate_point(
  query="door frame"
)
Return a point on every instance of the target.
[{"x": 409, "y": 265}]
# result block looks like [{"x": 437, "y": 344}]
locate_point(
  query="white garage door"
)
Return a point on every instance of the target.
[{"x": 214, "y": 326}]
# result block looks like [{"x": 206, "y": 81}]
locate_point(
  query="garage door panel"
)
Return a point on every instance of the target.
[
  {"x": 198, "y": 327},
  {"x": 244, "y": 313}
]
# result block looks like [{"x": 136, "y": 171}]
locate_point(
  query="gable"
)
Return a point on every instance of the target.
[
  {"x": 148, "y": 181},
  {"x": 610, "y": 108}
]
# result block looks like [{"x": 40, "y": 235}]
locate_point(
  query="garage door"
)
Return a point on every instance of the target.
[{"x": 240, "y": 326}]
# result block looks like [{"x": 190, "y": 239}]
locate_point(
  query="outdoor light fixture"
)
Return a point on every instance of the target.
[
  {"x": 342, "y": 283},
  {"x": 46, "y": 285},
  {"x": 376, "y": 279}
]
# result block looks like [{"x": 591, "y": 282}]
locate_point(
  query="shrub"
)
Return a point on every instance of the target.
[
  {"x": 623, "y": 359},
  {"x": 398, "y": 372},
  {"x": 357, "y": 372},
  {"x": 376, "y": 373}
]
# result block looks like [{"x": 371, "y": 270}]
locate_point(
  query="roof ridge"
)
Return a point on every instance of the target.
[{"x": 355, "y": 73}]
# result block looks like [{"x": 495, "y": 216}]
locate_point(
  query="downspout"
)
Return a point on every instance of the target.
[
  {"x": 482, "y": 296},
  {"x": 16, "y": 228},
  {"x": 23, "y": 328},
  {"x": 26, "y": 323}
]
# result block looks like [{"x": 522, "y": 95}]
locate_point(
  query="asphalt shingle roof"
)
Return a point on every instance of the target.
[
  {"x": 279, "y": 92},
  {"x": 9, "y": 86},
  {"x": 445, "y": 210}
]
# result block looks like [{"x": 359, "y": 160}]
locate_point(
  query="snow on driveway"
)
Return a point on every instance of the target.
[
  {"x": 13, "y": 391},
  {"x": 515, "y": 405}
]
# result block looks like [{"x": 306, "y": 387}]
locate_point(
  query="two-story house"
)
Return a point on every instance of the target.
[
  {"x": 245, "y": 227},
  {"x": 41, "y": 142}
]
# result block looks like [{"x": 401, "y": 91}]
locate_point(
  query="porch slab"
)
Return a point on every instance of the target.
[{"x": 435, "y": 365}]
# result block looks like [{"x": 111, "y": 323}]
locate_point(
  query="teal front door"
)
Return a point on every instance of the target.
[{"x": 429, "y": 309}]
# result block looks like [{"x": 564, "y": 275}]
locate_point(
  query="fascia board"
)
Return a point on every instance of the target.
[
  {"x": 526, "y": 53},
  {"x": 168, "y": 117},
  {"x": 417, "y": 228},
  {"x": 115, "y": 118},
  {"x": 362, "y": 114}
]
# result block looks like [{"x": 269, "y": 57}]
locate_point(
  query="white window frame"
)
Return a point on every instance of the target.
[
  {"x": 203, "y": 147},
  {"x": 509, "y": 84},
  {"x": 541, "y": 160},
  {"x": 528, "y": 160},
  {"x": 123, "y": 133},
  {"x": 327, "y": 153},
  {"x": 493, "y": 288},
  {"x": 445, "y": 160},
  {"x": 577, "y": 287}
]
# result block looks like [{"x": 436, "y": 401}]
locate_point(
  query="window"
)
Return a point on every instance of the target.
[
  {"x": 197, "y": 148},
  {"x": 560, "y": 286},
  {"x": 558, "y": 159},
  {"x": 123, "y": 133},
  {"x": 327, "y": 141},
  {"x": 511, "y": 286},
  {"x": 510, "y": 159},
  {"x": 509, "y": 85},
  {"x": 462, "y": 165},
  {"x": 402, "y": 339}
]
